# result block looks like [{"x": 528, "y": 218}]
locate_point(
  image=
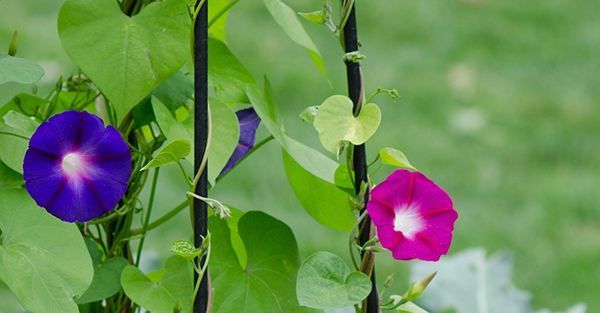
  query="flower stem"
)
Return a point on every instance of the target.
[{"x": 145, "y": 226}]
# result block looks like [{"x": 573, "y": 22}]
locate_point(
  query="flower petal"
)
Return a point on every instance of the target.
[
  {"x": 431, "y": 243},
  {"x": 388, "y": 237},
  {"x": 88, "y": 133},
  {"x": 65, "y": 126},
  {"x": 381, "y": 214},
  {"x": 443, "y": 218},
  {"x": 42, "y": 189},
  {"x": 249, "y": 122},
  {"x": 39, "y": 164},
  {"x": 76, "y": 201},
  {"x": 404, "y": 250}
]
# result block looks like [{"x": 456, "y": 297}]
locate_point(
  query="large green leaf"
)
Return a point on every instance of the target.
[
  {"x": 325, "y": 282},
  {"x": 126, "y": 57},
  {"x": 18, "y": 70},
  {"x": 106, "y": 282},
  {"x": 226, "y": 74},
  {"x": 335, "y": 122},
  {"x": 175, "y": 91},
  {"x": 15, "y": 123},
  {"x": 225, "y": 133},
  {"x": 176, "y": 284},
  {"x": 9, "y": 178},
  {"x": 43, "y": 260},
  {"x": 470, "y": 282},
  {"x": 268, "y": 282},
  {"x": 288, "y": 21},
  {"x": 310, "y": 159},
  {"x": 324, "y": 201}
]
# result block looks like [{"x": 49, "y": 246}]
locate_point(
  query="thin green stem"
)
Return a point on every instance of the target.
[
  {"x": 149, "y": 211},
  {"x": 4, "y": 132},
  {"x": 220, "y": 13},
  {"x": 200, "y": 274},
  {"x": 352, "y": 237},
  {"x": 185, "y": 175},
  {"x": 377, "y": 169},
  {"x": 162, "y": 219},
  {"x": 256, "y": 147}
]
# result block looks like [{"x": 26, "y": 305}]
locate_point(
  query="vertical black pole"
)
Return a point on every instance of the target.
[
  {"x": 355, "y": 92},
  {"x": 200, "y": 140}
]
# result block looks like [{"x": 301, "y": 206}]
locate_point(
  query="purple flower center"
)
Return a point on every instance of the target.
[
  {"x": 73, "y": 164},
  {"x": 408, "y": 220}
]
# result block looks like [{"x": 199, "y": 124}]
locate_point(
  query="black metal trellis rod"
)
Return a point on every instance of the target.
[
  {"x": 355, "y": 92},
  {"x": 200, "y": 141}
]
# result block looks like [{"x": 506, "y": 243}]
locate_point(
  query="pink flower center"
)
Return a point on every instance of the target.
[
  {"x": 408, "y": 220},
  {"x": 73, "y": 164}
]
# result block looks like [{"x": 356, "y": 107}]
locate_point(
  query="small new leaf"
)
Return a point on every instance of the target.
[
  {"x": 185, "y": 249},
  {"x": 394, "y": 157},
  {"x": 171, "y": 153},
  {"x": 318, "y": 17},
  {"x": 354, "y": 57},
  {"x": 309, "y": 113},
  {"x": 12, "y": 47}
]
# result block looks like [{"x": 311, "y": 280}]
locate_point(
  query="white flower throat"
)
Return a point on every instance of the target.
[
  {"x": 73, "y": 164},
  {"x": 408, "y": 220}
]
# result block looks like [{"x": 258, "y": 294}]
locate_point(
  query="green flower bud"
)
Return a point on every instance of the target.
[{"x": 12, "y": 47}]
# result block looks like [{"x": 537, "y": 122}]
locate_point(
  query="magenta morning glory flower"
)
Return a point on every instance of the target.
[
  {"x": 249, "y": 121},
  {"x": 413, "y": 215},
  {"x": 75, "y": 168}
]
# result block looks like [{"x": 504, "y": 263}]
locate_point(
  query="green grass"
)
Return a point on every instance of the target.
[{"x": 499, "y": 106}]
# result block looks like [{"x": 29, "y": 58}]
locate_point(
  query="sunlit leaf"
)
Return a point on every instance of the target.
[
  {"x": 185, "y": 249},
  {"x": 335, "y": 122},
  {"x": 394, "y": 157}
]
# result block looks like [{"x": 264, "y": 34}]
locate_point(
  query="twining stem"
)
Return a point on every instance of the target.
[
  {"x": 352, "y": 239},
  {"x": 200, "y": 274},
  {"x": 256, "y": 147},
  {"x": 149, "y": 211},
  {"x": 162, "y": 219}
]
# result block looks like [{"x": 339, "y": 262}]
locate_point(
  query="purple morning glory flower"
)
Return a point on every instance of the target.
[
  {"x": 414, "y": 216},
  {"x": 75, "y": 168},
  {"x": 249, "y": 121}
]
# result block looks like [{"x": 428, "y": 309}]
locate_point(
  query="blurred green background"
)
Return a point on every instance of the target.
[{"x": 499, "y": 106}]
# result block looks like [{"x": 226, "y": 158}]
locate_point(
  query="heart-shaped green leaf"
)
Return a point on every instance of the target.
[
  {"x": 267, "y": 284},
  {"x": 126, "y": 57},
  {"x": 394, "y": 157},
  {"x": 171, "y": 153},
  {"x": 18, "y": 70},
  {"x": 9, "y": 178},
  {"x": 325, "y": 282},
  {"x": 335, "y": 122},
  {"x": 35, "y": 245},
  {"x": 176, "y": 284}
]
